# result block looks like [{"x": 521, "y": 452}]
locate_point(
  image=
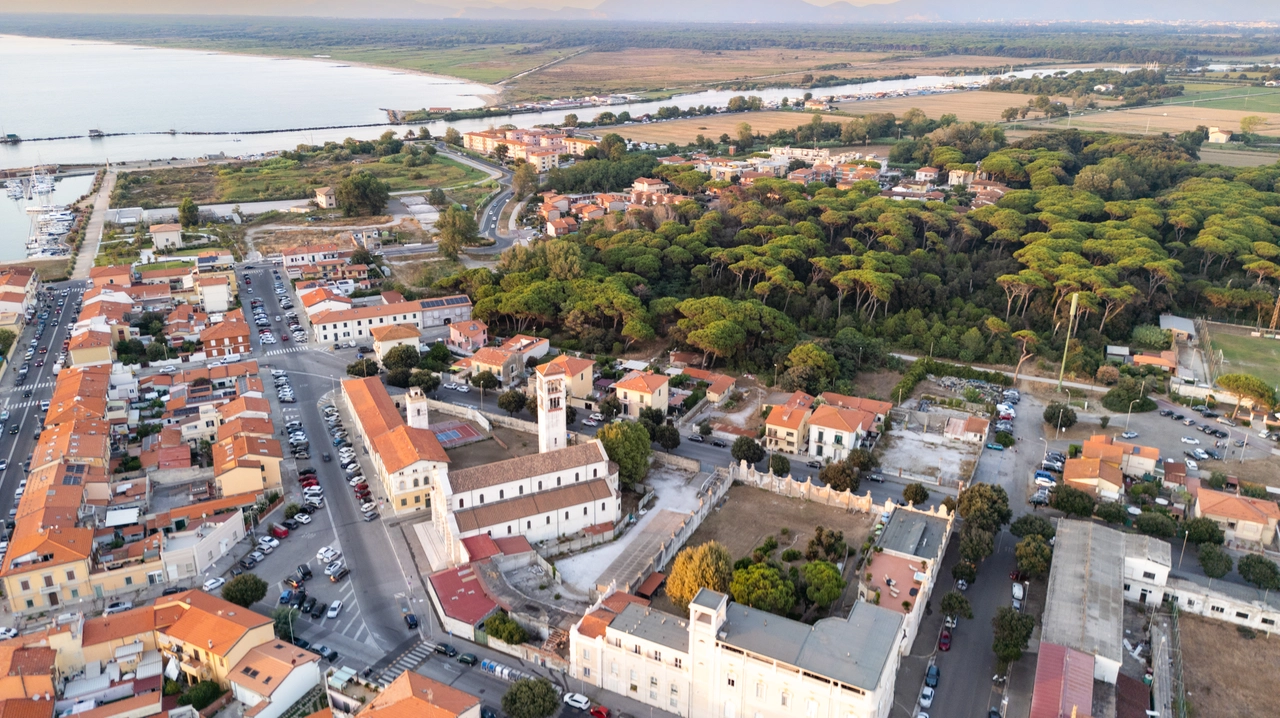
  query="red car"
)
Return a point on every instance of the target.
[
  {"x": 944, "y": 641},
  {"x": 600, "y": 712},
  {"x": 1018, "y": 576},
  {"x": 361, "y": 486}
]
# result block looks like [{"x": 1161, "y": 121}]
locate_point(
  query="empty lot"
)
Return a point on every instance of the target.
[{"x": 1226, "y": 674}]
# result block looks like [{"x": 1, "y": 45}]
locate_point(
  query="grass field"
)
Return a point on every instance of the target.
[
  {"x": 272, "y": 180},
  {"x": 1226, "y": 674},
  {"x": 1244, "y": 99},
  {"x": 1249, "y": 355},
  {"x": 1167, "y": 118},
  {"x": 1237, "y": 158}
]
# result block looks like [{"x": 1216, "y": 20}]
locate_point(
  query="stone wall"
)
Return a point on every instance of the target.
[
  {"x": 746, "y": 474},
  {"x": 676, "y": 462}
]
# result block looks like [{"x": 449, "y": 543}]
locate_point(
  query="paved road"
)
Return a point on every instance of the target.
[{"x": 94, "y": 227}]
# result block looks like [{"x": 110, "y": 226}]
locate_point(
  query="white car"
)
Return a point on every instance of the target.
[
  {"x": 463, "y": 389},
  {"x": 1129, "y": 435},
  {"x": 1190, "y": 440},
  {"x": 327, "y": 555},
  {"x": 451, "y": 385},
  {"x": 368, "y": 506},
  {"x": 597, "y": 417},
  {"x": 214, "y": 584},
  {"x": 1191, "y": 465},
  {"x": 257, "y": 556},
  {"x": 334, "y": 609},
  {"x": 926, "y": 697},
  {"x": 577, "y": 700},
  {"x": 332, "y": 568},
  {"x": 7, "y": 633},
  {"x": 302, "y": 518},
  {"x": 268, "y": 541}
]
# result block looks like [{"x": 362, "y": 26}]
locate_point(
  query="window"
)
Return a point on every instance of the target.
[
  {"x": 1268, "y": 622},
  {"x": 415, "y": 482},
  {"x": 653, "y": 682},
  {"x": 586, "y": 672},
  {"x": 839, "y": 439},
  {"x": 819, "y": 452},
  {"x": 566, "y": 516},
  {"x": 482, "y": 498},
  {"x": 732, "y": 682},
  {"x": 575, "y": 476},
  {"x": 1148, "y": 575},
  {"x": 508, "y": 529},
  {"x": 460, "y": 503},
  {"x": 71, "y": 575},
  {"x": 636, "y": 650},
  {"x": 528, "y": 525},
  {"x": 25, "y": 584},
  {"x": 675, "y": 689},
  {"x": 1217, "y": 609},
  {"x": 633, "y": 677},
  {"x": 811, "y": 709},
  {"x": 548, "y": 520},
  {"x": 595, "y": 473},
  {"x": 819, "y": 437},
  {"x": 675, "y": 703},
  {"x": 584, "y": 510},
  {"x": 613, "y": 668},
  {"x": 678, "y": 665},
  {"x": 417, "y": 499},
  {"x": 657, "y": 655},
  {"x": 75, "y": 593},
  {"x": 522, "y": 491},
  {"x": 501, "y": 494},
  {"x": 48, "y": 581},
  {"x": 128, "y": 580},
  {"x": 759, "y": 689},
  {"x": 539, "y": 485},
  {"x": 404, "y": 502},
  {"x": 1242, "y": 614},
  {"x": 786, "y": 698},
  {"x": 557, "y": 481}
]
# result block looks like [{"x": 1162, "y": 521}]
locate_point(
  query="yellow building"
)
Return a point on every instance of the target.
[
  {"x": 92, "y": 347},
  {"x": 640, "y": 390},
  {"x": 243, "y": 464},
  {"x": 503, "y": 364},
  {"x": 786, "y": 429},
  {"x": 579, "y": 376},
  {"x": 395, "y": 335},
  {"x": 44, "y": 570}
]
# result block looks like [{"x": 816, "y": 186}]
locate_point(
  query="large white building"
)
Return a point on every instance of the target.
[
  {"x": 726, "y": 660},
  {"x": 358, "y": 323}
]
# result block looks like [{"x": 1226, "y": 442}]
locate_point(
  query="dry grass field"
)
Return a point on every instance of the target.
[
  {"x": 977, "y": 105},
  {"x": 683, "y": 132},
  {"x": 1226, "y": 674},
  {"x": 1169, "y": 118},
  {"x": 1236, "y": 158}
]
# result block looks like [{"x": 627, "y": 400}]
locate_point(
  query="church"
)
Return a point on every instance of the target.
[{"x": 566, "y": 488}]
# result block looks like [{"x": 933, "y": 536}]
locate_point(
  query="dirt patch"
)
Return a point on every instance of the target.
[
  {"x": 488, "y": 451},
  {"x": 876, "y": 385},
  {"x": 1255, "y": 471},
  {"x": 744, "y": 415},
  {"x": 1226, "y": 674},
  {"x": 910, "y": 453},
  {"x": 49, "y": 270},
  {"x": 1169, "y": 118}
]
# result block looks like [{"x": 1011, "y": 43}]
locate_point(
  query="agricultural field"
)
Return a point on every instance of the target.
[
  {"x": 1244, "y": 99},
  {"x": 682, "y": 132},
  {"x": 275, "y": 179},
  {"x": 1237, "y": 158},
  {"x": 1250, "y": 355},
  {"x": 977, "y": 105},
  {"x": 1172, "y": 118}
]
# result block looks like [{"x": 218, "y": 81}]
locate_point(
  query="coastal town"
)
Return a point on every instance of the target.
[{"x": 882, "y": 403}]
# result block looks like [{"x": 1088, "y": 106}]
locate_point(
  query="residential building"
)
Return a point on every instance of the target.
[
  {"x": 640, "y": 390},
  {"x": 578, "y": 376},
  {"x": 504, "y": 365},
  {"x": 1098, "y": 478},
  {"x": 414, "y": 695},
  {"x": 214, "y": 293},
  {"x": 971, "y": 430},
  {"x": 247, "y": 464},
  {"x": 878, "y": 409},
  {"x": 834, "y": 432},
  {"x": 274, "y": 676},
  {"x": 118, "y": 275},
  {"x": 91, "y": 348},
  {"x": 527, "y": 347},
  {"x": 725, "y": 660},
  {"x": 1242, "y": 519},
  {"x": 188, "y": 553},
  {"x": 1133, "y": 460},
  {"x": 395, "y": 335},
  {"x": 166, "y": 236},
  {"x": 562, "y": 227},
  {"x": 214, "y": 260},
  {"x": 718, "y": 385},
  {"x": 326, "y": 198},
  {"x": 787, "y": 426},
  {"x": 323, "y": 299},
  {"x": 408, "y": 457},
  {"x": 228, "y": 338},
  {"x": 648, "y": 184},
  {"x": 905, "y": 569},
  {"x": 316, "y": 253},
  {"x": 468, "y": 336},
  {"x": 927, "y": 174},
  {"x": 356, "y": 323},
  {"x": 1219, "y": 136}
]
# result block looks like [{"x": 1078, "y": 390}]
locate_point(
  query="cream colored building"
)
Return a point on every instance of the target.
[
  {"x": 640, "y": 390},
  {"x": 396, "y": 335},
  {"x": 409, "y": 459}
]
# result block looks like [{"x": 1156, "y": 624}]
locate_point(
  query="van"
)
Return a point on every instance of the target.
[
  {"x": 44, "y": 405},
  {"x": 1019, "y": 594},
  {"x": 279, "y": 531}
]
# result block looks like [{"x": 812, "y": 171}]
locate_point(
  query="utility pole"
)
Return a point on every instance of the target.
[{"x": 1075, "y": 298}]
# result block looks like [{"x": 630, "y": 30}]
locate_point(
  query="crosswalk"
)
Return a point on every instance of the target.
[
  {"x": 22, "y": 404},
  {"x": 286, "y": 350},
  {"x": 407, "y": 661},
  {"x": 27, "y": 387}
]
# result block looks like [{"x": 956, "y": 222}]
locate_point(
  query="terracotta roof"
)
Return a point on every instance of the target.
[
  {"x": 462, "y": 594},
  {"x": 119, "y": 626},
  {"x": 1087, "y": 469},
  {"x": 90, "y": 340},
  {"x": 227, "y": 329},
  {"x": 1107, "y": 448},
  {"x": 229, "y": 453},
  {"x": 469, "y": 329},
  {"x": 483, "y": 516},
  {"x": 208, "y": 618},
  {"x": 166, "y": 228},
  {"x": 855, "y": 402},
  {"x": 976, "y": 425},
  {"x": 791, "y": 414},
  {"x": 395, "y": 331},
  {"x": 246, "y": 426},
  {"x": 524, "y": 467},
  {"x": 1063, "y": 683},
  {"x": 521, "y": 343},
  {"x": 25, "y": 708},
  {"x": 264, "y": 668},
  {"x": 594, "y": 624},
  {"x": 1240, "y": 508},
  {"x": 491, "y": 356},
  {"x": 833, "y": 417},
  {"x": 402, "y": 310},
  {"x": 404, "y": 446},
  {"x": 416, "y": 696},
  {"x": 570, "y": 365},
  {"x": 645, "y": 382},
  {"x": 619, "y": 600},
  {"x": 375, "y": 412},
  {"x": 242, "y": 405},
  {"x": 110, "y": 271},
  {"x": 212, "y": 280},
  {"x": 312, "y": 298}
]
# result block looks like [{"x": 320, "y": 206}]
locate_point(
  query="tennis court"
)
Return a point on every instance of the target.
[{"x": 455, "y": 433}]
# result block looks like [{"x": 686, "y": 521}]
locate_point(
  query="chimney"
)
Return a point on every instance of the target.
[{"x": 210, "y": 643}]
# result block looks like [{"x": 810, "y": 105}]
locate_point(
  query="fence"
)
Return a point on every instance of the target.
[
  {"x": 787, "y": 486},
  {"x": 1175, "y": 655}
]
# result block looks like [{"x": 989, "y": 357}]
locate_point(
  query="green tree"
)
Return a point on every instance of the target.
[
  {"x": 1059, "y": 415},
  {"x": 524, "y": 181},
  {"x": 708, "y": 565},
  {"x": 746, "y": 449},
  {"x": 1247, "y": 386},
  {"x": 455, "y": 229},
  {"x": 1203, "y": 530},
  {"x": 627, "y": 444},
  {"x": 188, "y": 213},
  {"x": 763, "y": 587},
  {"x": 975, "y": 543},
  {"x": 779, "y": 465},
  {"x": 437, "y": 198},
  {"x": 402, "y": 357},
  {"x": 361, "y": 194},
  {"x": 610, "y": 408},
  {"x": 1111, "y": 512},
  {"x": 964, "y": 571},
  {"x": 291, "y": 510},
  {"x": 201, "y": 695},
  {"x": 841, "y": 476},
  {"x": 505, "y": 629},
  {"x": 915, "y": 494},
  {"x": 501, "y": 152},
  {"x": 667, "y": 436},
  {"x": 1031, "y": 524},
  {"x": 1260, "y": 571},
  {"x": 746, "y": 137},
  {"x": 1214, "y": 561},
  {"x": 985, "y": 506},
  {"x": 823, "y": 583},
  {"x": 530, "y": 697},
  {"x": 363, "y": 367},
  {"x": 284, "y": 618},
  {"x": 1156, "y": 524},
  {"x": 1072, "y": 501},
  {"x": 453, "y": 137},
  {"x": 512, "y": 401},
  {"x": 652, "y": 415},
  {"x": 245, "y": 590},
  {"x": 7, "y": 338},
  {"x": 1011, "y": 630},
  {"x": 954, "y": 604},
  {"x": 1252, "y": 123},
  {"x": 485, "y": 381},
  {"x": 1033, "y": 555}
]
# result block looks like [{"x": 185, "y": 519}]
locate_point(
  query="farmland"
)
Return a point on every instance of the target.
[
  {"x": 684, "y": 131},
  {"x": 275, "y": 180}
]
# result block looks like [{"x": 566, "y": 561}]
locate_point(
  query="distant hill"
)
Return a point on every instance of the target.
[{"x": 684, "y": 11}]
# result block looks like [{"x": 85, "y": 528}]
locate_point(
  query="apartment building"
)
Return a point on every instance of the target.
[
  {"x": 357, "y": 323},
  {"x": 786, "y": 428},
  {"x": 640, "y": 390}
]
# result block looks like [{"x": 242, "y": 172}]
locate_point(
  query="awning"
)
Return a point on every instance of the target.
[
  {"x": 651, "y": 584},
  {"x": 341, "y": 677}
]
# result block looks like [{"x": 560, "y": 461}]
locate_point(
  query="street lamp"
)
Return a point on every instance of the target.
[{"x": 1141, "y": 395}]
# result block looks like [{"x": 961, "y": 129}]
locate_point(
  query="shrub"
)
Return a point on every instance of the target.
[
  {"x": 505, "y": 629},
  {"x": 1111, "y": 512},
  {"x": 1004, "y": 439},
  {"x": 1059, "y": 415}
]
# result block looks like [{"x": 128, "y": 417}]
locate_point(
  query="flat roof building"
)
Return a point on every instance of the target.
[{"x": 1084, "y": 609}]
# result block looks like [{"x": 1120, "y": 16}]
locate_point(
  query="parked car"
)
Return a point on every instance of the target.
[
  {"x": 446, "y": 649},
  {"x": 577, "y": 700},
  {"x": 411, "y": 621},
  {"x": 926, "y": 697},
  {"x": 117, "y": 607},
  {"x": 214, "y": 584},
  {"x": 932, "y": 675},
  {"x": 697, "y": 438}
]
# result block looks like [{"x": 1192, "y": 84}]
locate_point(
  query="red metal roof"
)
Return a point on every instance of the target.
[
  {"x": 651, "y": 584},
  {"x": 462, "y": 595},
  {"x": 1064, "y": 680}
]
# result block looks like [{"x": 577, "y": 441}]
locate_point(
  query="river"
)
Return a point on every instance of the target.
[{"x": 79, "y": 86}]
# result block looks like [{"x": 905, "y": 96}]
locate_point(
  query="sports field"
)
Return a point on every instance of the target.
[{"x": 1248, "y": 355}]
